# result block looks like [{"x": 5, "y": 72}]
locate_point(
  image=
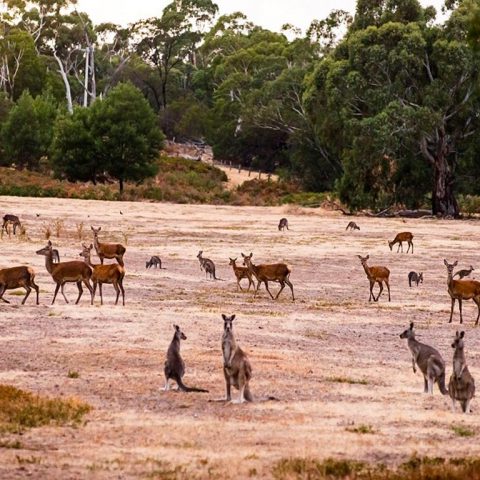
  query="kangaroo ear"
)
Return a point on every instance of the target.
[
  {"x": 49, "y": 243},
  {"x": 411, "y": 325},
  {"x": 224, "y": 316},
  {"x": 462, "y": 334},
  {"x": 176, "y": 327},
  {"x": 251, "y": 254},
  {"x": 367, "y": 257}
]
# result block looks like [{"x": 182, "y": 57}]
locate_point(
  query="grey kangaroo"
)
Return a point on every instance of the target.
[
  {"x": 207, "y": 265},
  {"x": 464, "y": 273},
  {"x": 174, "y": 364},
  {"x": 352, "y": 226},
  {"x": 283, "y": 224},
  {"x": 462, "y": 385},
  {"x": 154, "y": 261},
  {"x": 236, "y": 367},
  {"x": 414, "y": 277},
  {"x": 428, "y": 360}
]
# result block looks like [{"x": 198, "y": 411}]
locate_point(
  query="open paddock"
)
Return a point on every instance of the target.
[{"x": 335, "y": 362}]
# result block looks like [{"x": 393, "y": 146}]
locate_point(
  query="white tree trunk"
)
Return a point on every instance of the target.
[{"x": 68, "y": 92}]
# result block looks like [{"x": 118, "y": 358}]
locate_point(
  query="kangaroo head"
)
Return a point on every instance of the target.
[
  {"x": 450, "y": 266},
  {"x": 363, "y": 260},
  {"x": 420, "y": 278},
  {"x": 200, "y": 254},
  {"x": 178, "y": 333},
  {"x": 232, "y": 261},
  {"x": 228, "y": 323},
  {"x": 247, "y": 259},
  {"x": 45, "y": 250},
  {"x": 458, "y": 340},
  {"x": 408, "y": 333}
]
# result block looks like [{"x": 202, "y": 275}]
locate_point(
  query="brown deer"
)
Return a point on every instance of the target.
[
  {"x": 107, "y": 250},
  {"x": 14, "y": 220},
  {"x": 112, "y": 274},
  {"x": 276, "y": 272},
  {"x": 17, "y": 277},
  {"x": 462, "y": 385},
  {"x": 402, "y": 237},
  {"x": 67, "y": 272},
  {"x": 241, "y": 272},
  {"x": 461, "y": 290},
  {"x": 378, "y": 275}
]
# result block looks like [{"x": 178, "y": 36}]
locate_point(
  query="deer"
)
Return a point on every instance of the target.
[
  {"x": 67, "y": 272},
  {"x": 175, "y": 365},
  {"x": 461, "y": 386},
  {"x": 378, "y": 275},
  {"x": 283, "y": 224},
  {"x": 276, "y": 272},
  {"x": 107, "y": 250},
  {"x": 428, "y": 360},
  {"x": 112, "y": 274},
  {"x": 14, "y": 220},
  {"x": 18, "y": 277},
  {"x": 241, "y": 272},
  {"x": 352, "y": 226},
  {"x": 414, "y": 277},
  {"x": 464, "y": 273},
  {"x": 402, "y": 237},
  {"x": 154, "y": 261},
  {"x": 236, "y": 366},
  {"x": 461, "y": 290},
  {"x": 207, "y": 265}
]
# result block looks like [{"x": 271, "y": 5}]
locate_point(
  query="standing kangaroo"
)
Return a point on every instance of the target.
[
  {"x": 236, "y": 366},
  {"x": 462, "y": 385},
  {"x": 283, "y": 224},
  {"x": 352, "y": 226},
  {"x": 414, "y": 277},
  {"x": 207, "y": 265},
  {"x": 464, "y": 273},
  {"x": 174, "y": 364},
  {"x": 428, "y": 360}
]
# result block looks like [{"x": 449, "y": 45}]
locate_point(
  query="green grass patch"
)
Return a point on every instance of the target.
[
  {"x": 351, "y": 381},
  {"x": 20, "y": 410},
  {"x": 463, "y": 431},
  {"x": 73, "y": 374},
  {"x": 362, "y": 428}
]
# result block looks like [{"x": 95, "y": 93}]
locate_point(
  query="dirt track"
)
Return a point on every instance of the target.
[{"x": 297, "y": 350}]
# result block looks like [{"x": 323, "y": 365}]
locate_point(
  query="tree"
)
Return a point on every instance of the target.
[
  {"x": 126, "y": 133},
  {"x": 28, "y": 130}
]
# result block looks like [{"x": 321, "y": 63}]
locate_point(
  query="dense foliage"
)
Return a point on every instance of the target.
[{"x": 381, "y": 107}]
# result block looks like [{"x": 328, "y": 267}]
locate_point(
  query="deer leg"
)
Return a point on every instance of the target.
[
  {"x": 412, "y": 246},
  {"x": 398, "y": 249},
  {"x": 63, "y": 293},
  {"x": 451, "y": 310},
  {"x": 55, "y": 294},
  {"x": 289, "y": 283},
  {"x": 36, "y": 289},
  {"x": 117, "y": 289},
  {"x": 477, "y": 301},
  {"x": 387, "y": 283},
  {"x": 101, "y": 292},
  {"x": 460, "y": 308},
  {"x": 28, "y": 289},
  {"x": 120, "y": 283},
  {"x": 90, "y": 289},
  {"x": 256, "y": 290},
  {"x": 268, "y": 290},
  {"x": 80, "y": 291},
  {"x": 282, "y": 286},
  {"x": 2, "y": 291},
  {"x": 380, "y": 284}
]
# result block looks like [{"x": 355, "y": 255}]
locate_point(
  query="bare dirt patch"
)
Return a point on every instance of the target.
[{"x": 336, "y": 363}]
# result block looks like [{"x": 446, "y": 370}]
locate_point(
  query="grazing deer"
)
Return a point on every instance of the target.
[
  {"x": 17, "y": 277},
  {"x": 107, "y": 250},
  {"x": 14, "y": 220},
  {"x": 236, "y": 366},
  {"x": 174, "y": 364},
  {"x": 283, "y": 224},
  {"x": 154, "y": 261},
  {"x": 352, "y": 226},
  {"x": 462, "y": 385},
  {"x": 112, "y": 274},
  {"x": 402, "y": 237},
  {"x": 378, "y": 275},
  {"x": 414, "y": 277},
  {"x": 67, "y": 272},
  {"x": 241, "y": 272},
  {"x": 428, "y": 360},
  {"x": 276, "y": 272},
  {"x": 464, "y": 273},
  {"x": 207, "y": 265},
  {"x": 461, "y": 290}
]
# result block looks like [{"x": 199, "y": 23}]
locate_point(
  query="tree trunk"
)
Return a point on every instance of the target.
[
  {"x": 120, "y": 181},
  {"x": 443, "y": 198},
  {"x": 63, "y": 73}
]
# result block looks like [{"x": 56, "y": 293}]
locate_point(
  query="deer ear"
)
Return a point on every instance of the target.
[
  {"x": 445, "y": 262},
  {"x": 91, "y": 246},
  {"x": 251, "y": 254},
  {"x": 367, "y": 257},
  {"x": 243, "y": 255},
  {"x": 234, "y": 259},
  {"x": 233, "y": 317},
  {"x": 456, "y": 263},
  {"x": 462, "y": 334},
  {"x": 224, "y": 316},
  {"x": 92, "y": 228}
]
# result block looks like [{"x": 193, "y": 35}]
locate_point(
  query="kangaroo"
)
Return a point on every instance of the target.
[
  {"x": 14, "y": 220},
  {"x": 283, "y": 224},
  {"x": 428, "y": 360},
  {"x": 464, "y": 273},
  {"x": 207, "y": 265},
  {"x": 174, "y": 364},
  {"x": 352, "y": 226},
  {"x": 415, "y": 278},
  {"x": 462, "y": 385},
  {"x": 154, "y": 261},
  {"x": 236, "y": 366}
]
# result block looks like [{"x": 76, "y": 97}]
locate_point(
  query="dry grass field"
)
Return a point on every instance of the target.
[{"x": 335, "y": 363}]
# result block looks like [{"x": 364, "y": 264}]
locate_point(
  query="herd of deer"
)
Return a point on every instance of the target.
[{"x": 237, "y": 369}]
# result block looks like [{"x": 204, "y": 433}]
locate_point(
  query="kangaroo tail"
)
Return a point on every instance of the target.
[
  {"x": 184, "y": 388},
  {"x": 248, "y": 394},
  {"x": 441, "y": 384}
]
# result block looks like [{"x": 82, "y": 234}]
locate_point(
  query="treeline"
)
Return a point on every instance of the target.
[{"x": 382, "y": 107}]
